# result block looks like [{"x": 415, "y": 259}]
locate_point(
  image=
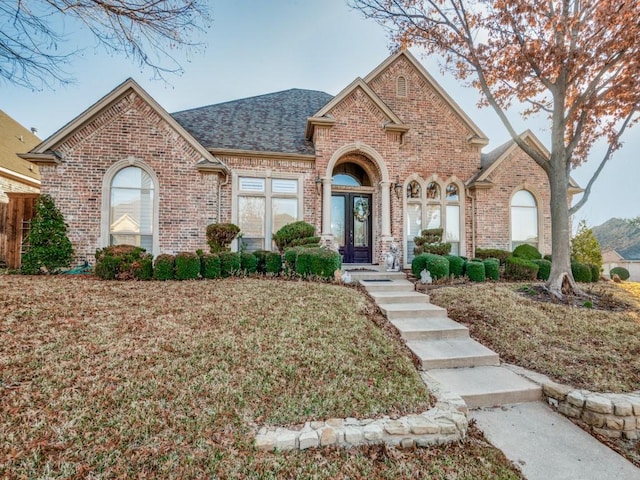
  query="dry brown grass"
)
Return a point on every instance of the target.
[
  {"x": 594, "y": 349},
  {"x": 169, "y": 380}
]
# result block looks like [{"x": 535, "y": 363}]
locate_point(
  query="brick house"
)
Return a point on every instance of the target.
[{"x": 388, "y": 156}]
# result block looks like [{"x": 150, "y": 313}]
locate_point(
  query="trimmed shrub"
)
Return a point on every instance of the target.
[
  {"x": 544, "y": 268},
  {"x": 123, "y": 262},
  {"x": 430, "y": 241},
  {"x": 491, "y": 268},
  {"x": 229, "y": 263},
  {"x": 248, "y": 263},
  {"x": 437, "y": 265},
  {"x": 548, "y": 257},
  {"x": 273, "y": 263},
  {"x": 292, "y": 232},
  {"x": 581, "y": 272},
  {"x": 220, "y": 236},
  {"x": 210, "y": 265},
  {"x": 48, "y": 247},
  {"x": 526, "y": 251},
  {"x": 290, "y": 258},
  {"x": 520, "y": 269},
  {"x": 501, "y": 255},
  {"x": 164, "y": 267},
  {"x": 187, "y": 265},
  {"x": 319, "y": 262},
  {"x": 261, "y": 259},
  {"x": 595, "y": 272},
  {"x": 476, "y": 271},
  {"x": 622, "y": 272},
  {"x": 309, "y": 242},
  {"x": 456, "y": 265}
]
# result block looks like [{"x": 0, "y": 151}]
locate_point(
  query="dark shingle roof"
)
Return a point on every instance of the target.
[
  {"x": 275, "y": 122},
  {"x": 488, "y": 158}
]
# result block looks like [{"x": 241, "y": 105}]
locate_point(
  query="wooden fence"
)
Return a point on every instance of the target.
[{"x": 14, "y": 226}]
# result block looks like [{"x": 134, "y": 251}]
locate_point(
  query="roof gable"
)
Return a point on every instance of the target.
[{"x": 14, "y": 140}]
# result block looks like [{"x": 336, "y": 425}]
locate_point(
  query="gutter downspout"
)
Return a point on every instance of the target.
[{"x": 220, "y": 185}]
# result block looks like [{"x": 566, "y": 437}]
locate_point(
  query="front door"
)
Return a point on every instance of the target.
[{"x": 351, "y": 226}]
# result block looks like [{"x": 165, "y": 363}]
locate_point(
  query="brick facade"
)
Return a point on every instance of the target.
[{"x": 11, "y": 185}]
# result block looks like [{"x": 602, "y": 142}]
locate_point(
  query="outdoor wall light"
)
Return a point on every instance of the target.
[
  {"x": 318, "y": 185},
  {"x": 397, "y": 187}
]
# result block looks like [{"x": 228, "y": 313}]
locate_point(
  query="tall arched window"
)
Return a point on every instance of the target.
[
  {"x": 524, "y": 219},
  {"x": 131, "y": 208},
  {"x": 452, "y": 216}
]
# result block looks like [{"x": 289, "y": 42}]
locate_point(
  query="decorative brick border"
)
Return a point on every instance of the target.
[
  {"x": 446, "y": 422},
  {"x": 614, "y": 415}
]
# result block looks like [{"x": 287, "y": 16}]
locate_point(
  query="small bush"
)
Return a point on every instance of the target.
[
  {"x": 526, "y": 251},
  {"x": 292, "y": 232},
  {"x": 164, "y": 267},
  {"x": 248, "y": 263},
  {"x": 210, "y": 265},
  {"x": 623, "y": 273},
  {"x": 187, "y": 266},
  {"x": 491, "y": 268},
  {"x": 595, "y": 272},
  {"x": 430, "y": 241},
  {"x": 548, "y": 257},
  {"x": 319, "y": 262},
  {"x": 273, "y": 263},
  {"x": 123, "y": 262},
  {"x": 229, "y": 263},
  {"x": 220, "y": 236},
  {"x": 310, "y": 242},
  {"x": 501, "y": 255},
  {"x": 456, "y": 265},
  {"x": 437, "y": 265},
  {"x": 520, "y": 269},
  {"x": 544, "y": 268},
  {"x": 581, "y": 272},
  {"x": 261, "y": 259},
  {"x": 476, "y": 271}
]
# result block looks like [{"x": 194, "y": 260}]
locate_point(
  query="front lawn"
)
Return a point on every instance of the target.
[{"x": 171, "y": 380}]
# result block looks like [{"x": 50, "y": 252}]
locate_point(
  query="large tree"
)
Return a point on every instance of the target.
[
  {"x": 35, "y": 46},
  {"x": 576, "y": 62}
]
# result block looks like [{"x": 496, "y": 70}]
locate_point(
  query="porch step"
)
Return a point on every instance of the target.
[
  {"x": 452, "y": 353},
  {"x": 436, "y": 328},
  {"x": 388, "y": 285},
  {"x": 359, "y": 275},
  {"x": 394, "y": 311},
  {"x": 386, "y": 297},
  {"x": 488, "y": 386}
]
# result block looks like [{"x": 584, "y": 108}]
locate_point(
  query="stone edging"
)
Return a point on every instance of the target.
[
  {"x": 446, "y": 422},
  {"x": 614, "y": 415}
]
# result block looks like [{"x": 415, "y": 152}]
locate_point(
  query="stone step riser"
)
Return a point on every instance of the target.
[
  {"x": 398, "y": 298},
  {"x": 402, "y": 314},
  {"x": 387, "y": 287},
  {"x": 435, "y": 334},
  {"x": 458, "y": 362},
  {"x": 502, "y": 398},
  {"x": 377, "y": 276}
]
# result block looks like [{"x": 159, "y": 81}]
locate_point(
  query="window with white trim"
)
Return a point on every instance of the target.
[{"x": 524, "y": 219}]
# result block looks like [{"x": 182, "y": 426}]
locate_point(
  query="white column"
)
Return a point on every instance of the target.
[
  {"x": 326, "y": 206},
  {"x": 385, "y": 200}
]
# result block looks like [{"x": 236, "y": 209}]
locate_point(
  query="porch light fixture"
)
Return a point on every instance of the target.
[
  {"x": 318, "y": 185},
  {"x": 397, "y": 187}
]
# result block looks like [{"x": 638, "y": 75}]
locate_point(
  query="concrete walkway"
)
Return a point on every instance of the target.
[{"x": 544, "y": 444}]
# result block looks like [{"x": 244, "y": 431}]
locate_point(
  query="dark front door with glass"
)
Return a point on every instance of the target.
[{"x": 351, "y": 226}]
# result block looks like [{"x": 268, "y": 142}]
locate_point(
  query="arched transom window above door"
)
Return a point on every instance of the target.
[{"x": 350, "y": 175}]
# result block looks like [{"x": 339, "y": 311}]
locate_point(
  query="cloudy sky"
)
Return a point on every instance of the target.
[{"x": 255, "y": 47}]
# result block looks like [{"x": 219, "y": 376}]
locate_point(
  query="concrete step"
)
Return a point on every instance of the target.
[
  {"x": 386, "y": 297},
  {"x": 376, "y": 275},
  {"x": 435, "y": 328},
  {"x": 394, "y": 311},
  {"x": 488, "y": 386},
  {"x": 388, "y": 285},
  {"x": 452, "y": 353}
]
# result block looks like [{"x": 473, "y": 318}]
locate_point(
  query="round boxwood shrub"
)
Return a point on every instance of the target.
[
  {"x": 292, "y": 232},
  {"x": 492, "y": 268},
  {"x": 437, "y": 265},
  {"x": 220, "y": 236},
  {"x": 622, "y": 272},
  {"x": 520, "y": 269},
  {"x": 581, "y": 272},
  {"x": 526, "y": 251},
  {"x": 210, "y": 265},
  {"x": 187, "y": 266},
  {"x": 248, "y": 263},
  {"x": 501, "y": 255},
  {"x": 164, "y": 267},
  {"x": 229, "y": 263},
  {"x": 544, "y": 268},
  {"x": 548, "y": 257},
  {"x": 476, "y": 271},
  {"x": 261, "y": 259},
  {"x": 273, "y": 263},
  {"x": 318, "y": 262},
  {"x": 595, "y": 272},
  {"x": 456, "y": 265},
  {"x": 123, "y": 262}
]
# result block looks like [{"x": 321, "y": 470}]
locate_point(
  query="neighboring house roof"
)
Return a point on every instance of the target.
[
  {"x": 611, "y": 255},
  {"x": 15, "y": 139},
  {"x": 267, "y": 123},
  {"x": 44, "y": 152}
]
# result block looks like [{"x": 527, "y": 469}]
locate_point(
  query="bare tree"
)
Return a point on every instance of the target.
[
  {"x": 575, "y": 62},
  {"x": 34, "y": 48}
]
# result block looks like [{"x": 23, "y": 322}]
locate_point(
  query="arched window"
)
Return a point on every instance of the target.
[
  {"x": 131, "y": 208},
  {"x": 452, "y": 216},
  {"x": 401, "y": 87},
  {"x": 524, "y": 219}
]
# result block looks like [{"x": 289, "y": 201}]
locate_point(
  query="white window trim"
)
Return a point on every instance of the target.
[
  {"x": 267, "y": 195},
  {"x": 536, "y": 198},
  {"x": 106, "y": 200}
]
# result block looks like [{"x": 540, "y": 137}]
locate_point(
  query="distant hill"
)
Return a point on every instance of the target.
[{"x": 620, "y": 234}]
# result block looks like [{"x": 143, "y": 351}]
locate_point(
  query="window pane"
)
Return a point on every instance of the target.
[
  {"x": 524, "y": 225},
  {"x": 433, "y": 217},
  {"x": 248, "y": 184},
  {"x": 337, "y": 219},
  {"x": 413, "y": 190},
  {"x": 132, "y": 177},
  {"x": 284, "y": 186},
  {"x": 251, "y": 216},
  {"x": 283, "y": 211},
  {"x": 452, "y": 193},
  {"x": 523, "y": 198},
  {"x": 413, "y": 228},
  {"x": 455, "y": 248},
  {"x": 360, "y": 222},
  {"x": 433, "y": 191},
  {"x": 452, "y": 232},
  {"x": 345, "y": 180}
]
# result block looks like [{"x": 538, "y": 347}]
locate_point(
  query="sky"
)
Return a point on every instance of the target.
[{"x": 255, "y": 47}]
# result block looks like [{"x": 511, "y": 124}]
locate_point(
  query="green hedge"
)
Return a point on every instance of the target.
[
  {"x": 595, "y": 272},
  {"x": 273, "y": 263},
  {"x": 123, "y": 262},
  {"x": 501, "y": 255},
  {"x": 476, "y": 271},
  {"x": 248, "y": 263},
  {"x": 229, "y": 263},
  {"x": 290, "y": 257},
  {"x": 520, "y": 269},
  {"x": 293, "y": 232},
  {"x": 544, "y": 268},
  {"x": 164, "y": 267},
  {"x": 456, "y": 265},
  {"x": 220, "y": 236},
  {"x": 622, "y": 272},
  {"x": 492, "y": 268},
  {"x": 437, "y": 265},
  {"x": 526, "y": 251},
  {"x": 319, "y": 262},
  {"x": 305, "y": 242},
  {"x": 187, "y": 265},
  {"x": 210, "y": 266},
  {"x": 581, "y": 272}
]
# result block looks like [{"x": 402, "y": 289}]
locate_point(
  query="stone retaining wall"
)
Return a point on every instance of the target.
[{"x": 446, "y": 422}]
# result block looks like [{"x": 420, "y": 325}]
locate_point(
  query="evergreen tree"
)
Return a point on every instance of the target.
[
  {"x": 49, "y": 249},
  {"x": 585, "y": 247}
]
